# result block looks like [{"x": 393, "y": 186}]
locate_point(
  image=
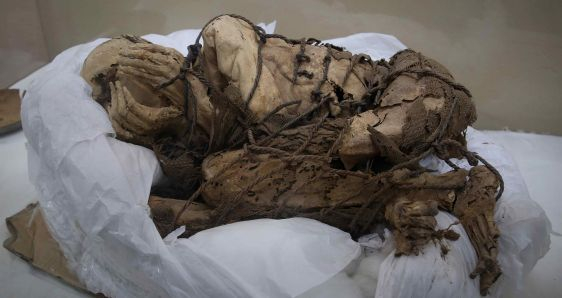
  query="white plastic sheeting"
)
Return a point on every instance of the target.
[
  {"x": 94, "y": 189},
  {"x": 525, "y": 238}
]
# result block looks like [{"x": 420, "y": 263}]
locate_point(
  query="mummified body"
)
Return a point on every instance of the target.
[{"x": 254, "y": 125}]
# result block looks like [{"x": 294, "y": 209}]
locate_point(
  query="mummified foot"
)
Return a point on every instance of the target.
[
  {"x": 475, "y": 209},
  {"x": 414, "y": 224}
]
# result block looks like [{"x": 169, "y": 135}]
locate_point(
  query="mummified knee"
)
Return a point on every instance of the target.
[{"x": 230, "y": 48}]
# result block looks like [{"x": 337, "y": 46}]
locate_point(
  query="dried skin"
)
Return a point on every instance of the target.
[
  {"x": 135, "y": 122},
  {"x": 230, "y": 57},
  {"x": 312, "y": 139},
  {"x": 98, "y": 68},
  {"x": 333, "y": 110},
  {"x": 267, "y": 183},
  {"x": 412, "y": 214},
  {"x": 300, "y": 184},
  {"x": 413, "y": 224},
  {"x": 475, "y": 210},
  {"x": 412, "y": 109},
  {"x": 153, "y": 65},
  {"x": 125, "y": 75},
  {"x": 303, "y": 188}
]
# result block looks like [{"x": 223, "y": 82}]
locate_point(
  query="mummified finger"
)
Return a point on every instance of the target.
[
  {"x": 134, "y": 121},
  {"x": 475, "y": 209}
]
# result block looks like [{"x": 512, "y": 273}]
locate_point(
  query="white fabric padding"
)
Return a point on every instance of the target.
[
  {"x": 525, "y": 238},
  {"x": 94, "y": 189}
]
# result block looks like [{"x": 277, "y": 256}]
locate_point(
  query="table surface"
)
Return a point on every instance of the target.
[{"x": 536, "y": 155}]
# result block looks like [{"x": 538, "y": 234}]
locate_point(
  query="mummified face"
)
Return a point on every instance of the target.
[{"x": 125, "y": 74}]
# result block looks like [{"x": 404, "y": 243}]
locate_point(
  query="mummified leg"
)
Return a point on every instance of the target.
[
  {"x": 230, "y": 53},
  {"x": 475, "y": 209},
  {"x": 269, "y": 182},
  {"x": 266, "y": 181}
]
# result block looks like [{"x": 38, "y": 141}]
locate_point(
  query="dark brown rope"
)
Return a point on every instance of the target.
[
  {"x": 188, "y": 67},
  {"x": 282, "y": 37},
  {"x": 471, "y": 157},
  {"x": 277, "y": 109},
  {"x": 294, "y": 120},
  {"x": 354, "y": 60},
  {"x": 434, "y": 143},
  {"x": 430, "y": 73},
  {"x": 311, "y": 134}
]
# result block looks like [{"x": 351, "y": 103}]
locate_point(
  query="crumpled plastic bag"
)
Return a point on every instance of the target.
[{"x": 94, "y": 191}]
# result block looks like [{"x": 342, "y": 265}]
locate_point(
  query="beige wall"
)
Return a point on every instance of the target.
[
  {"x": 22, "y": 47},
  {"x": 508, "y": 53}
]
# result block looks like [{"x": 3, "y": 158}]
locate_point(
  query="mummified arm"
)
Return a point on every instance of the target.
[{"x": 475, "y": 209}]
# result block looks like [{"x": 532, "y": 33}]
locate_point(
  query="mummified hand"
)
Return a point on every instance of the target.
[
  {"x": 475, "y": 210},
  {"x": 144, "y": 70},
  {"x": 152, "y": 65},
  {"x": 125, "y": 74},
  {"x": 134, "y": 121}
]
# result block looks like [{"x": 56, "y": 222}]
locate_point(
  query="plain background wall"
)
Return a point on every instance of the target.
[
  {"x": 22, "y": 44},
  {"x": 508, "y": 53}
]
